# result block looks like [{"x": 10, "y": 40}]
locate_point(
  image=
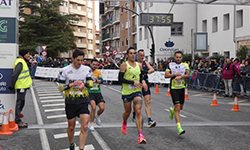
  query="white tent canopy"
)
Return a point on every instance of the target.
[{"x": 215, "y": 2}]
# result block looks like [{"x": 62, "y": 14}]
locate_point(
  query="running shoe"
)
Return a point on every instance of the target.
[
  {"x": 181, "y": 131},
  {"x": 98, "y": 121},
  {"x": 133, "y": 118},
  {"x": 72, "y": 146},
  {"x": 124, "y": 128},
  {"x": 171, "y": 115},
  {"x": 151, "y": 123},
  {"x": 91, "y": 128},
  {"x": 141, "y": 140}
]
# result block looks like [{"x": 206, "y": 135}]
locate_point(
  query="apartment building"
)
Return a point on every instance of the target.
[
  {"x": 84, "y": 30},
  {"x": 115, "y": 25}
]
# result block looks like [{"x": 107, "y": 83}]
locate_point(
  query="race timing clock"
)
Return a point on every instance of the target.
[{"x": 156, "y": 19}]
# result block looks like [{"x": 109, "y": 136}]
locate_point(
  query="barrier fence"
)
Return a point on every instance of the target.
[{"x": 213, "y": 83}]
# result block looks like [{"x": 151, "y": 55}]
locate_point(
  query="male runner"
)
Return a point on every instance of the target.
[
  {"x": 178, "y": 72},
  {"x": 95, "y": 95},
  {"x": 146, "y": 69},
  {"x": 73, "y": 81},
  {"x": 131, "y": 78}
]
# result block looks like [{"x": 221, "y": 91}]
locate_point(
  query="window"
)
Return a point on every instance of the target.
[
  {"x": 122, "y": 25},
  {"x": 90, "y": 41},
  {"x": 176, "y": 28},
  {"x": 126, "y": 24},
  {"x": 239, "y": 18},
  {"x": 204, "y": 25},
  {"x": 122, "y": 43},
  {"x": 71, "y": 5},
  {"x": 65, "y": 3},
  {"x": 79, "y": 29},
  {"x": 90, "y": 52},
  {"x": 90, "y": 31},
  {"x": 145, "y": 33},
  {"x": 79, "y": 7},
  {"x": 226, "y": 21},
  {"x": 140, "y": 34},
  {"x": 151, "y": 4},
  {"x": 227, "y": 54},
  {"x": 79, "y": 41},
  {"x": 117, "y": 43},
  {"x": 126, "y": 41},
  {"x": 215, "y": 24},
  {"x": 89, "y": 9}
]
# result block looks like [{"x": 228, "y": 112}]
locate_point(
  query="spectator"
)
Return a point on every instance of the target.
[
  {"x": 54, "y": 63},
  {"x": 248, "y": 57},
  {"x": 196, "y": 63},
  {"x": 237, "y": 63},
  {"x": 242, "y": 64},
  {"x": 246, "y": 68},
  {"x": 155, "y": 66},
  {"x": 227, "y": 75}
]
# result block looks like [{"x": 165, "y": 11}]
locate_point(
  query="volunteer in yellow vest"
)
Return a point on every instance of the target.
[
  {"x": 178, "y": 72},
  {"x": 21, "y": 81},
  {"x": 131, "y": 78}
]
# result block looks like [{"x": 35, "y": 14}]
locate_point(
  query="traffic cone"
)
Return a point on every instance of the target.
[
  {"x": 186, "y": 94},
  {"x": 5, "y": 126},
  {"x": 168, "y": 94},
  {"x": 12, "y": 125},
  {"x": 236, "y": 106},
  {"x": 21, "y": 115},
  {"x": 157, "y": 89},
  {"x": 214, "y": 103}
]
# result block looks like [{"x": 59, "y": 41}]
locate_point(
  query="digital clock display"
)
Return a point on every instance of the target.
[{"x": 156, "y": 19}]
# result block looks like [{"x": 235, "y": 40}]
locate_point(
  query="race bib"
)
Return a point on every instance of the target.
[
  {"x": 178, "y": 83},
  {"x": 95, "y": 87}
]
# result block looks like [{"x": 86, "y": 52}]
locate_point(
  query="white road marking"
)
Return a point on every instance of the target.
[
  {"x": 52, "y": 100},
  {"x": 50, "y": 97},
  {"x": 59, "y": 104},
  {"x": 77, "y": 122},
  {"x": 42, "y": 133},
  {"x": 40, "y": 95},
  {"x": 64, "y": 135},
  {"x": 56, "y": 116},
  {"x": 52, "y": 110},
  {"x": 49, "y": 91},
  {"x": 86, "y": 147},
  {"x": 180, "y": 114},
  {"x": 101, "y": 142}
]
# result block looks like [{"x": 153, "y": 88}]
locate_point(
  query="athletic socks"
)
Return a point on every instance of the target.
[
  {"x": 124, "y": 123},
  {"x": 178, "y": 125},
  {"x": 133, "y": 114},
  {"x": 149, "y": 119},
  {"x": 92, "y": 123},
  {"x": 140, "y": 133}
]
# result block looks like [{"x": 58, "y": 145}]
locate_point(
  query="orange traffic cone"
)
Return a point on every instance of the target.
[
  {"x": 13, "y": 126},
  {"x": 5, "y": 126},
  {"x": 214, "y": 103},
  {"x": 168, "y": 94},
  {"x": 157, "y": 89},
  {"x": 21, "y": 115},
  {"x": 236, "y": 106},
  {"x": 186, "y": 94}
]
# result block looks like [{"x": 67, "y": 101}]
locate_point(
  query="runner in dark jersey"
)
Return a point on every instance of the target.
[
  {"x": 178, "y": 72},
  {"x": 146, "y": 69}
]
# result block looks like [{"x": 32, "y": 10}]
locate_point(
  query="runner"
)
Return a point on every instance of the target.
[
  {"x": 73, "y": 79},
  {"x": 146, "y": 69},
  {"x": 178, "y": 72},
  {"x": 95, "y": 95},
  {"x": 131, "y": 78}
]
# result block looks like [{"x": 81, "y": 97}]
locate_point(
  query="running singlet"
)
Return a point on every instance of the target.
[
  {"x": 132, "y": 74},
  {"x": 177, "y": 68},
  {"x": 68, "y": 75},
  {"x": 97, "y": 74},
  {"x": 145, "y": 67}
]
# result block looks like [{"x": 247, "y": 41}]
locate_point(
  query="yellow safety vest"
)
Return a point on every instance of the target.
[{"x": 24, "y": 80}]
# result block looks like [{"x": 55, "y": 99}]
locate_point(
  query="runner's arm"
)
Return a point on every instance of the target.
[
  {"x": 151, "y": 69},
  {"x": 121, "y": 75},
  {"x": 186, "y": 75}
]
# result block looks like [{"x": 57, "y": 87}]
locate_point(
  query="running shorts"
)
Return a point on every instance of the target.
[
  {"x": 144, "y": 93},
  {"x": 129, "y": 98},
  {"x": 178, "y": 95},
  {"x": 74, "y": 110},
  {"x": 97, "y": 97}
]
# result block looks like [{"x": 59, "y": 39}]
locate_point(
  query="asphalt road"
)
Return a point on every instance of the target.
[{"x": 207, "y": 127}]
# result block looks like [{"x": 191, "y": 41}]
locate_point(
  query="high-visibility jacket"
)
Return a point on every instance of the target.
[{"x": 24, "y": 80}]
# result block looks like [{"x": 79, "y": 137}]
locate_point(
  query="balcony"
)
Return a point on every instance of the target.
[
  {"x": 90, "y": 46},
  {"x": 116, "y": 35},
  {"x": 114, "y": 3},
  {"x": 115, "y": 19},
  {"x": 97, "y": 50},
  {"x": 78, "y": 12},
  {"x": 105, "y": 36},
  {"x": 80, "y": 34},
  {"x": 90, "y": 15},
  {"x": 97, "y": 41},
  {"x": 134, "y": 9},
  {"x": 106, "y": 22},
  {"x": 79, "y": 23},
  {"x": 90, "y": 56},
  {"x": 90, "y": 36},
  {"x": 90, "y": 4},
  {"x": 90, "y": 25},
  {"x": 63, "y": 9},
  {"x": 81, "y": 45},
  {"x": 79, "y": 2}
]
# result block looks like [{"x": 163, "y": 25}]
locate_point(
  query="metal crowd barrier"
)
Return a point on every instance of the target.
[{"x": 212, "y": 82}]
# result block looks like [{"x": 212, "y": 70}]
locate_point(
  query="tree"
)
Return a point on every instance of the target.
[
  {"x": 45, "y": 26},
  {"x": 241, "y": 53}
]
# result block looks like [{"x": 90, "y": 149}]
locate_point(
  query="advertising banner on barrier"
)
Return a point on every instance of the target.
[{"x": 107, "y": 74}]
